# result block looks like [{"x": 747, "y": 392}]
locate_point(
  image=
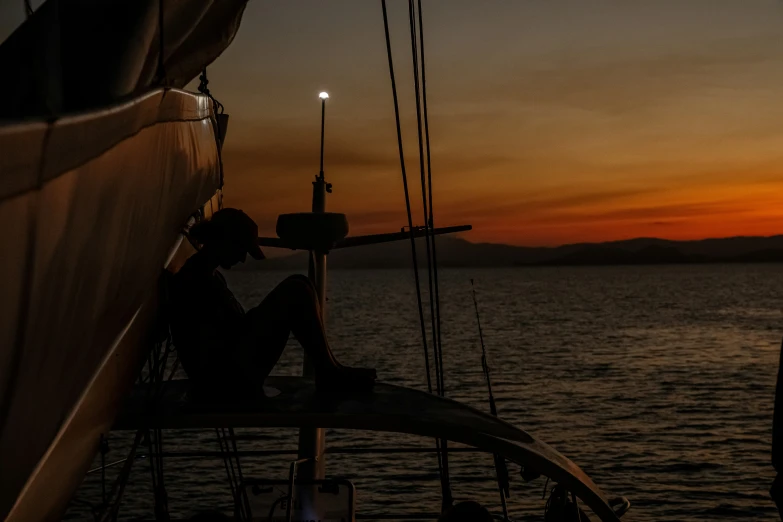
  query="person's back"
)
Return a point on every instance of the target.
[{"x": 206, "y": 319}]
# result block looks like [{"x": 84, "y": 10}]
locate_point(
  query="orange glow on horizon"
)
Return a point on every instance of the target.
[{"x": 559, "y": 216}]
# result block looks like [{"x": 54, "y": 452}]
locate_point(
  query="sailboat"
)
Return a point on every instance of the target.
[{"x": 105, "y": 164}]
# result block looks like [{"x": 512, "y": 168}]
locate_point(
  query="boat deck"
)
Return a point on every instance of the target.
[
  {"x": 297, "y": 404},
  {"x": 294, "y": 402}
]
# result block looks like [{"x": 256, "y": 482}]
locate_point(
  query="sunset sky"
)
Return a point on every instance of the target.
[{"x": 551, "y": 121}]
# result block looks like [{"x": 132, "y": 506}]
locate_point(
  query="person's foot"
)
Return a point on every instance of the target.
[{"x": 346, "y": 379}]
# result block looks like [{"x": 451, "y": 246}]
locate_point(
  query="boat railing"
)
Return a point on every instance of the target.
[{"x": 329, "y": 451}]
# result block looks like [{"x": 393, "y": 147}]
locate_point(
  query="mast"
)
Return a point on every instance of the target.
[{"x": 312, "y": 441}]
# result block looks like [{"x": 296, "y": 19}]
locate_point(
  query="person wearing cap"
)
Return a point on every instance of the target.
[{"x": 228, "y": 351}]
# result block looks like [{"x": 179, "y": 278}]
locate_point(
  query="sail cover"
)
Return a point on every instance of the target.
[
  {"x": 99, "y": 170},
  {"x": 92, "y": 205},
  {"x": 76, "y": 55}
]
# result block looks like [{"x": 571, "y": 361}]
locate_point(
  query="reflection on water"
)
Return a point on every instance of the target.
[{"x": 657, "y": 381}]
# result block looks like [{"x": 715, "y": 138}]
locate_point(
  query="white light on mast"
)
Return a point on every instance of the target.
[{"x": 323, "y": 95}]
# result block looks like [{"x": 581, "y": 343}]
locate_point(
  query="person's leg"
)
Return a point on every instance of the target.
[{"x": 293, "y": 308}]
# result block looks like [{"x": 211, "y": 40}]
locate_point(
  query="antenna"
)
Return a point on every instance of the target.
[{"x": 324, "y": 96}]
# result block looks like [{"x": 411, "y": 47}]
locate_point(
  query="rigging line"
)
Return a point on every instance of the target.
[
  {"x": 441, "y": 445},
  {"x": 164, "y": 500},
  {"x": 234, "y": 475},
  {"x": 156, "y": 436},
  {"x": 431, "y": 220},
  {"x": 118, "y": 488},
  {"x": 408, "y": 209},
  {"x": 427, "y": 236},
  {"x": 161, "y": 45},
  {"x": 245, "y": 502},
  {"x": 407, "y": 196},
  {"x": 153, "y": 476},
  {"x": 203, "y": 88},
  {"x": 28, "y": 8},
  {"x": 226, "y": 462},
  {"x": 217, "y": 109}
]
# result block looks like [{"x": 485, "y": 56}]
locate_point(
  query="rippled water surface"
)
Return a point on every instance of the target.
[{"x": 657, "y": 381}]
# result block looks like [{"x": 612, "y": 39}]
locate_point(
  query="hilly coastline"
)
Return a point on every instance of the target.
[{"x": 456, "y": 252}]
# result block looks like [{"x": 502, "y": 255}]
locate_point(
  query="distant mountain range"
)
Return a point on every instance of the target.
[{"x": 455, "y": 252}]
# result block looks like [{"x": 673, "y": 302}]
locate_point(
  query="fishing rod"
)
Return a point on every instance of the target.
[{"x": 500, "y": 463}]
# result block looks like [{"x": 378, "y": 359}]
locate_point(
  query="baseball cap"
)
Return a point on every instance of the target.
[{"x": 234, "y": 224}]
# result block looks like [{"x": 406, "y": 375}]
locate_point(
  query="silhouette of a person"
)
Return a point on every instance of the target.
[{"x": 227, "y": 351}]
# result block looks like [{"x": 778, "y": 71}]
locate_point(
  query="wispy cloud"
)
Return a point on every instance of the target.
[{"x": 623, "y": 118}]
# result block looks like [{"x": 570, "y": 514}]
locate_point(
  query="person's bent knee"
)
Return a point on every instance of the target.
[{"x": 298, "y": 281}]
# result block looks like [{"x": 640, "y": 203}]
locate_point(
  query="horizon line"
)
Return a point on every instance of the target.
[{"x": 640, "y": 238}]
